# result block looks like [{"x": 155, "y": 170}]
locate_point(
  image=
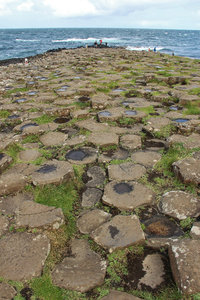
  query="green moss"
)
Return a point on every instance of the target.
[
  {"x": 148, "y": 110},
  {"x": 4, "y": 113},
  {"x": 32, "y": 138},
  {"x": 126, "y": 121},
  {"x": 192, "y": 108},
  {"x": 195, "y": 91},
  {"x": 44, "y": 119},
  {"x": 169, "y": 293},
  {"x": 13, "y": 151},
  {"x": 165, "y": 131},
  {"x": 187, "y": 223},
  {"x": 15, "y": 90}
]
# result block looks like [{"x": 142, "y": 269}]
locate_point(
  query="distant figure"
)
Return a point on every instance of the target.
[
  {"x": 154, "y": 49},
  {"x": 26, "y": 61},
  {"x": 95, "y": 43},
  {"x": 100, "y": 42},
  {"x": 149, "y": 50},
  {"x": 172, "y": 53},
  {"x": 106, "y": 44}
]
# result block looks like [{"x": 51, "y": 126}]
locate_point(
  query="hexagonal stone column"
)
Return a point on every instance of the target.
[{"x": 81, "y": 272}]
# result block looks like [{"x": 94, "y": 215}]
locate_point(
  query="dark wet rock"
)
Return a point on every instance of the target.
[
  {"x": 54, "y": 139},
  {"x": 83, "y": 155},
  {"x": 127, "y": 196},
  {"x": 91, "y": 197},
  {"x": 154, "y": 269},
  {"x": 180, "y": 205},
  {"x": 119, "y": 154},
  {"x": 189, "y": 142},
  {"x": 103, "y": 139},
  {"x": 92, "y": 220},
  {"x": 81, "y": 272},
  {"x": 160, "y": 226},
  {"x": 28, "y": 125},
  {"x": 61, "y": 120},
  {"x": 126, "y": 171},
  {"x": 5, "y": 161},
  {"x": 146, "y": 158},
  {"x": 29, "y": 155},
  {"x": 195, "y": 230},
  {"x": 31, "y": 214},
  {"x": 4, "y": 223},
  {"x": 131, "y": 141},
  {"x": 22, "y": 255},
  {"x": 116, "y": 295},
  {"x": 184, "y": 260},
  {"x": 96, "y": 177},
  {"x": 7, "y": 292},
  {"x": 120, "y": 232},
  {"x": 155, "y": 144},
  {"x": 53, "y": 172},
  {"x": 188, "y": 170}
]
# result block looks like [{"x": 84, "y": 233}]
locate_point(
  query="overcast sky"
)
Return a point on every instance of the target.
[{"x": 169, "y": 14}]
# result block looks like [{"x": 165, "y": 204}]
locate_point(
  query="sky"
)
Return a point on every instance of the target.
[{"x": 158, "y": 14}]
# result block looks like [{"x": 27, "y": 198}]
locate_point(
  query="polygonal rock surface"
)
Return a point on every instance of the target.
[
  {"x": 29, "y": 155},
  {"x": 180, "y": 205},
  {"x": 5, "y": 161},
  {"x": 96, "y": 176},
  {"x": 127, "y": 196},
  {"x": 7, "y": 292},
  {"x": 189, "y": 142},
  {"x": 120, "y": 232},
  {"x": 91, "y": 220},
  {"x": 91, "y": 196},
  {"x": 52, "y": 172},
  {"x": 82, "y": 271},
  {"x": 153, "y": 267},
  {"x": 3, "y": 224},
  {"x": 22, "y": 255},
  {"x": 146, "y": 158},
  {"x": 126, "y": 171},
  {"x": 11, "y": 183},
  {"x": 119, "y": 154},
  {"x": 131, "y": 141},
  {"x": 103, "y": 139},
  {"x": 195, "y": 231},
  {"x": 54, "y": 139},
  {"x": 82, "y": 156},
  {"x": 156, "y": 124},
  {"x": 188, "y": 170},
  {"x": 10, "y": 205},
  {"x": 185, "y": 260},
  {"x": 116, "y": 295},
  {"x": 33, "y": 214}
]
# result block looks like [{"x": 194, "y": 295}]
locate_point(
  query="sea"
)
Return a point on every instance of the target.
[{"x": 21, "y": 43}]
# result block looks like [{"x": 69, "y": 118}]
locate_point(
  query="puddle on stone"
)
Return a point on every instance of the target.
[
  {"x": 21, "y": 100},
  {"x": 161, "y": 226},
  {"x": 126, "y": 103},
  {"x": 1, "y": 155},
  {"x": 63, "y": 88},
  {"x": 47, "y": 169},
  {"x": 175, "y": 108},
  {"x": 32, "y": 93},
  {"x": 61, "y": 120},
  {"x": 118, "y": 90},
  {"x": 76, "y": 155},
  {"x": 180, "y": 120},
  {"x": 104, "y": 114},
  {"x": 83, "y": 99},
  {"x": 123, "y": 188},
  {"x": 28, "y": 125},
  {"x": 113, "y": 231},
  {"x": 12, "y": 117},
  {"x": 31, "y": 82},
  {"x": 130, "y": 112},
  {"x": 148, "y": 90}
]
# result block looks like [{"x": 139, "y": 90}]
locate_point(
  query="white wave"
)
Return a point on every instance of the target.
[
  {"x": 143, "y": 48},
  {"x": 21, "y": 40},
  {"x": 90, "y": 39}
]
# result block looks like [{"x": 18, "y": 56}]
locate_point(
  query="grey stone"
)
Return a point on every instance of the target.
[
  {"x": 179, "y": 205},
  {"x": 53, "y": 172},
  {"x": 132, "y": 195},
  {"x": 7, "y": 292},
  {"x": 146, "y": 158},
  {"x": 81, "y": 272},
  {"x": 3, "y": 224},
  {"x": 189, "y": 142},
  {"x": 22, "y": 255},
  {"x": 126, "y": 171},
  {"x": 103, "y": 139},
  {"x": 91, "y": 196},
  {"x": 54, "y": 139},
  {"x": 153, "y": 267},
  {"x": 156, "y": 124},
  {"x": 10, "y": 205},
  {"x": 120, "y": 232},
  {"x": 97, "y": 175},
  {"x": 188, "y": 170},
  {"x": 11, "y": 183},
  {"x": 119, "y": 154},
  {"x": 185, "y": 260},
  {"x": 195, "y": 230},
  {"x": 131, "y": 141},
  {"x": 5, "y": 161},
  {"x": 29, "y": 155},
  {"x": 33, "y": 214},
  {"x": 91, "y": 220},
  {"x": 116, "y": 295}
]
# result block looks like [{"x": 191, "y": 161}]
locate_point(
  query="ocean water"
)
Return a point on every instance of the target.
[{"x": 19, "y": 43}]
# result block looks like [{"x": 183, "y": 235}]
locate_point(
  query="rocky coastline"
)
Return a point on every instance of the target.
[{"x": 100, "y": 176}]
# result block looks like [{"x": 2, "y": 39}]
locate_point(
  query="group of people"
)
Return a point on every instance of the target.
[{"x": 100, "y": 44}]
